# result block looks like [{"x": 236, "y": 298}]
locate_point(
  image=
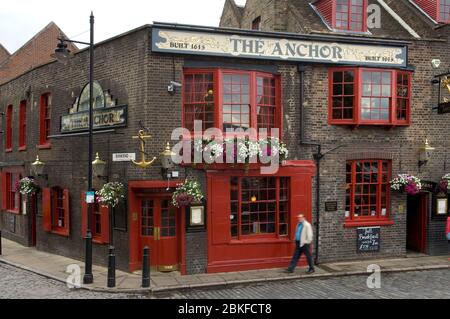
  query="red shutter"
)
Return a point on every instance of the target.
[
  {"x": 67, "y": 211},
  {"x": 219, "y": 197},
  {"x": 84, "y": 211},
  {"x": 4, "y": 190},
  {"x": 46, "y": 210},
  {"x": 105, "y": 224}
]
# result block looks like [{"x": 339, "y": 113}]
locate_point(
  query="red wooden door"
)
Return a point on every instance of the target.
[
  {"x": 33, "y": 220},
  {"x": 417, "y": 223},
  {"x": 159, "y": 232}
]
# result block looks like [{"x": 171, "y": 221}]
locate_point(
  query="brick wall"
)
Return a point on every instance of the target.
[{"x": 35, "y": 52}]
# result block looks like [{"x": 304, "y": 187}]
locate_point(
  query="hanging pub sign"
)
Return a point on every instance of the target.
[
  {"x": 444, "y": 93},
  {"x": 107, "y": 114},
  {"x": 193, "y": 41}
]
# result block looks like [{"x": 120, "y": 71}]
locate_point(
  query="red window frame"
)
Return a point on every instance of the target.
[
  {"x": 11, "y": 198},
  {"x": 241, "y": 196},
  {"x": 256, "y": 24},
  {"x": 9, "y": 116},
  {"x": 218, "y": 99},
  {"x": 100, "y": 217},
  {"x": 365, "y": 204},
  {"x": 45, "y": 120},
  {"x": 397, "y": 101},
  {"x": 443, "y": 8},
  {"x": 59, "y": 221},
  {"x": 350, "y": 16},
  {"x": 23, "y": 126}
]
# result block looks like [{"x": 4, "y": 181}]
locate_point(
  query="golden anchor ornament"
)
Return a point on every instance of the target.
[{"x": 143, "y": 163}]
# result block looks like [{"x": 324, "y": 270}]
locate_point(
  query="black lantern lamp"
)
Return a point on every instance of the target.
[
  {"x": 38, "y": 167},
  {"x": 99, "y": 167},
  {"x": 62, "y": 53}
]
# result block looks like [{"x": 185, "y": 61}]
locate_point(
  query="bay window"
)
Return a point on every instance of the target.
[
  {"x": 361, "y": 96},
  {"x": 367, "y": 192},
  {"x": 259, "y": 206},
  {"x": 231, "y": 100}
]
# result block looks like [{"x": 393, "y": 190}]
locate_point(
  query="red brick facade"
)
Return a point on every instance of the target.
[{"x": 34, "y": 53}]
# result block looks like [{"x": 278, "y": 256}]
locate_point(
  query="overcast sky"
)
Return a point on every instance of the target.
[{"x": 20, "y": 20}]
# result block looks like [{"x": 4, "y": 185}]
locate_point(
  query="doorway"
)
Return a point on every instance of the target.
[
  {"x": 417, "y": 217},
  {"x": 32, "y": 218},
  {"x": 159, "y": 224}
]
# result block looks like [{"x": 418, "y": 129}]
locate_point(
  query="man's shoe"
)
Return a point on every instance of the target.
[
  {"x": 311, "y": 271},
  {"x": 288, "y": 271}
]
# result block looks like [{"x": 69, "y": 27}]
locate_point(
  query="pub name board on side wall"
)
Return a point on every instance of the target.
[{"x": 270, "y": 48}]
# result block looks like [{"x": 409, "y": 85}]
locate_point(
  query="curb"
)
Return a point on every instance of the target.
[{"x": 227, "y": 284}]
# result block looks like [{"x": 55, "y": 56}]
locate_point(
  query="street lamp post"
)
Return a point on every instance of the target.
[{"x": 62, "y": 53}]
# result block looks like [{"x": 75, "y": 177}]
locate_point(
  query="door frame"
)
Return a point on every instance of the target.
[
  {"x": 134, "y": 188},
  {"x": 424, "y": 211}
]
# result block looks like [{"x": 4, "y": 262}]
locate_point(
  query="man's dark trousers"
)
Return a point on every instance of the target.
[{"x": 298, "y": 254}]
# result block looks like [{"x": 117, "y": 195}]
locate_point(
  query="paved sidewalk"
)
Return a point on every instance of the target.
[{"x": 54, "y": 266}]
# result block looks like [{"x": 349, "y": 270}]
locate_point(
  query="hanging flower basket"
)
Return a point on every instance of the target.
[
  {"x": 27, "y": 186},
  {"x": 186, "y": 194},
  {"x": 444, "y": 185},
  {"x": 111, "y": 194},
  {"x": 410, "y": 184}
]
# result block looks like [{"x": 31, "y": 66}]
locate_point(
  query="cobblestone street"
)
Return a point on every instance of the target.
[
  {"x": 409, "y": 285},
  {"x": 15, "y": 283},
  {"x": 20, "y": 284}
]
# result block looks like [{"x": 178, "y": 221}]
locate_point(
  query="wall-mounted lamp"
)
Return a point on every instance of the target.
[
  {"x": 166, "y": 158},
  {"x": 98, "y": 167},
  {"x": 426, "y": 152},
  {"x": 38, "y": 167},
  {"x": 436, "y": 63}
]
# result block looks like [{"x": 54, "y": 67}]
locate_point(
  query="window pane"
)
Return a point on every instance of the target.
[{"x": 370, "y": 196}]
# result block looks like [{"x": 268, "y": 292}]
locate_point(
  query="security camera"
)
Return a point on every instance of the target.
[{"x": 172, "y": 86}]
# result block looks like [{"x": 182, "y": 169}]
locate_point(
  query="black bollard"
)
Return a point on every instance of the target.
[
  {"x": 146, "y": 268},
  {"x": 0, "y": 242},
  {"x": 112, "y": 268}
]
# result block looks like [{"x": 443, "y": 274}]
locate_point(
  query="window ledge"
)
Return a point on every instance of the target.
[
  {"x": 15, "y": 212},
  {"x": 22, "y": 149},
  {"x": 62, "y": 233},
  {"x": 356, "y": 125},
  {"x": 8, "y": 150},
  {"x": 98, "y": 241},
  {"x": 44, "y": 146},
  {"x": 368, "y": 223},
  {"x": 258, "y": 241}
]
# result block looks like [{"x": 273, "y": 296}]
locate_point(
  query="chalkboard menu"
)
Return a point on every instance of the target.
[{"x": 369, "y": 239}]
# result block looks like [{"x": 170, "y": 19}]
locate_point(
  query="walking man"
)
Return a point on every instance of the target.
[{"x": 303, "y": 240}]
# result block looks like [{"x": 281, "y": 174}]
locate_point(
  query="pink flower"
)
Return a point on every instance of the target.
[{"x": 412, "y": 188}]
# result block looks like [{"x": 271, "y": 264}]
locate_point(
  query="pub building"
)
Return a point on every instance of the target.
[{"x": 355, "y": 103}]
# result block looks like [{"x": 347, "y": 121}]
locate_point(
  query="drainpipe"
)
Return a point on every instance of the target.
[{"x": 317, "y": 157}]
